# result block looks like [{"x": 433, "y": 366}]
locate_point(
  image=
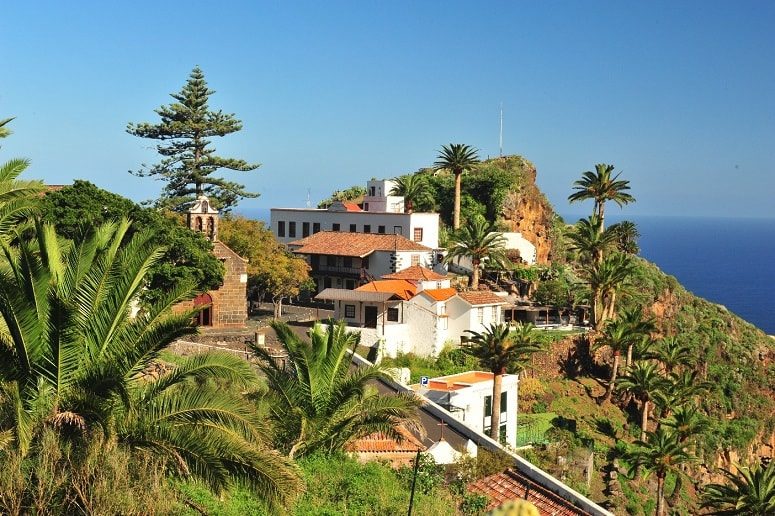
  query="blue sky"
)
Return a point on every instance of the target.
[{"x": 678, "y": 95}]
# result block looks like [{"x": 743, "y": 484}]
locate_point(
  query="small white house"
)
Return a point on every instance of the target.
[
  {"x": 513, "y": 242},
  {"x": 468, "y": 397},
  {"x": 404, "y": 316}
]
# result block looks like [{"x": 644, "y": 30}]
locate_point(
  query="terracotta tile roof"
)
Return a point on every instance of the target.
[
  {"x": 351, "y": 206},
  {"x": 378, "y": 442},
  {"x": 354, "y": 244},
  {"x": 440, "y": 294},
  {"x": 416, "y": 273},
  {"x": 481, "y": 297},
  {"x": 512, "y": 485},
  {"x": 402, "y": 288},
  {"x": 458, "y": 381}
]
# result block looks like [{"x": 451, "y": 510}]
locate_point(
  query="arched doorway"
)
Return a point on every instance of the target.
[{"x": 205, "y": 316}]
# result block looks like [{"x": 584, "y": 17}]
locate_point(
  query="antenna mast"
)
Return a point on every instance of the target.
[
  {"x": 500, "y": 141},
  {"x": 309, "y": 202}
]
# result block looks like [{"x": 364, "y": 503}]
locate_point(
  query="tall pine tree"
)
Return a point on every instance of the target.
[{"x": 188, "y": 160}]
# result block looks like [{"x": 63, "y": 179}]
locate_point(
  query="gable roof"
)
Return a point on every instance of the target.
[
  {"x": 513, "y": 485},
  {"x": 439, "y": 294},
  {"x": 401, "y": 288},
  {"x": 379, "y": 442},
  {"x": 354, "y": 244},
  {"x": 481, "y": 297},
  {"x": 416, "y": 273}
]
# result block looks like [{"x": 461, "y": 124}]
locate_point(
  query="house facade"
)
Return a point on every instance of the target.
[
  {"x": 347, "y": 260},
  {"x": 468, "y": 397},
  {"x": 380, "y": 214},
  {"x": 401, "y": 314}
]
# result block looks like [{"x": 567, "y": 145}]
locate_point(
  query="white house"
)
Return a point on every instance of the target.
[
  {"x": 514, "y": 243},
  {"x": 381, "y": 214},
  {"x": 468, "y": 397},
  {"x": 346, "y": 260},
  {"x": 403, "y": 315}
]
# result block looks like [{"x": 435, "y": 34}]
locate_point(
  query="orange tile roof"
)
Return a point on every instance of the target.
[
  {"x": 351, "y": 206},
  {"x": 354, "y": 244},
  {"x": 402, "y": 288},
  {"x": 416, "y": 273},
  {"x": 481, "y": 297},
  {"x": 455, "y": 382},
  {"x": 378, "y": 442},
  {"x": 440, "y": 294},
  {"x": 513, "y": 485}
]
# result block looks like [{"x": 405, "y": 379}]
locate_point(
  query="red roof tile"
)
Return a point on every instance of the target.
[
  {"x": 416, "y": 273},
  {"x": 512, "y": 485},
  {"x": 379, "y": 442},
  {"x": 481, "y": 297},
  {"x": 351, "y": 206},
  {"x": 402, "y": 288},
  {"x": 440, "y": 294},
  {"x": 354, "y": 244}
]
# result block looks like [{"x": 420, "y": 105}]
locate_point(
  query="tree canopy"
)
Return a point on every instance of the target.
[
  {"x": 187, "y": 256},
  {"x": 188, "y": 160}
]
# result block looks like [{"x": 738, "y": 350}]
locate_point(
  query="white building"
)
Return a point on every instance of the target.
[
  {"x": 514, "y": 243},
  {"x": 468, "y": 397},
  {"x": 401, "y": 314},
  {"x": 381, "y": 214}
]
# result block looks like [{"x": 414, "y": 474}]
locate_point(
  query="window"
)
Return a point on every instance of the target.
[
  {"x": 353, "y": 228},
  {"x": 415, "y": 259},
  {"x": 281, "y": 228},
  {"x": 292, "y": 229},
  {"x": 488, "y": 405},
  {"x": 480, "y": 314},
  {"x": 365, "y": 206},
  {"x": 398, "y": 230},
  {"x": 367, "y": 228},
  {"x": 335, "y": 227},
  {"x": 349, "y": 311},
  {"x": 392, "y": 314},
  {"x": 326, "y": 282},
  {"x": 381, "y": 230},
  {"x": 417, "y": 234},
  {"x": 494, "y": 315},
  {"x": 331, "y": 261},
  {"x": 348, "y": 261},
  {"x": 373, "y": 191},
  {"x": 443, "y": 309},
  {"x": 365, "y": 262},
  {"x": 349, "y": 284},
  {"x": 439, "y": 284},
  {"x": 315, "y": 227},
  {"x": 305, "y": 229}
]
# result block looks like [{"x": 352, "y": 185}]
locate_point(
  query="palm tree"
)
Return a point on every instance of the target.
[
  {"x": 643, "y": 382},
  {"x": 319, "y": 402},
  {"x": 750, "y": 492},
  {"x": 661, "y": 454},
  {"x": 640, "y": 328},
  {"x": 499, "y": 351},
  {"x": 617, "y": 336},
  {"x": 457, "y": 158},
  {"x": 686, "y": 421},
  {"x": 72, "y": 360},
  {"x": 605, "y": 279},
  {"x": 672, "y": 353},
  {"x": 588, "y": 239},
  {"x": 627, "y": 235},
  {"x": 601, "y": 186},
  {"x": 416, "y": 191},
  {"x": 16, "y": 197},
  {"x": 478, "y": 241}
]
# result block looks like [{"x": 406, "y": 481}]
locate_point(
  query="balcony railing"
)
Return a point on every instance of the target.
[{"x": 343, "y": 271}]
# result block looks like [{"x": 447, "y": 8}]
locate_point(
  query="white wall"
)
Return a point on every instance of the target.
[
  {"x": 471, "y": 400},
  {"x": 526, "y": 248},
  {"x": 402, "y": 223}
]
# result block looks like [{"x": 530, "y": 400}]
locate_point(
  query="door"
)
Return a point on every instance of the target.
[
  {"x": 370, "y": 317},
  {"x": 205, "y": 316}
]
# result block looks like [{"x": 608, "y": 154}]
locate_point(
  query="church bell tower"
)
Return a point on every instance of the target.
[{"x": 203, "y": 218}]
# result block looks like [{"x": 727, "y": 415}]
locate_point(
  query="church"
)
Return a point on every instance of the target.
[{"x": 225, "y": 307}]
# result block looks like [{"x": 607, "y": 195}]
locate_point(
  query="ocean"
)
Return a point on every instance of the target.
[{"x": 727, "y": 261}]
